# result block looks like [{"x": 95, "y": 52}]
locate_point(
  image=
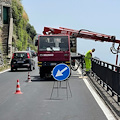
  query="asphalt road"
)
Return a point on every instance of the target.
[{"x": 35, "y": 102}]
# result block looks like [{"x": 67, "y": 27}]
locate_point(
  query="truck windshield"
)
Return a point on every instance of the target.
[{"x": 53, "y": 43}]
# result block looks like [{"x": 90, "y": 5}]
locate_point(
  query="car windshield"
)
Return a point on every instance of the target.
[
  {"x": 20, "y": 55},
  {"x": 53, "y": 43}
]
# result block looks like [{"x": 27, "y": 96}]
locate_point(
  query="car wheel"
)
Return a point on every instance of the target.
[
  {"x": 31, "y": 68},
  {"x": 11, "y": 69},
  {"x": 34, "y": 67}
]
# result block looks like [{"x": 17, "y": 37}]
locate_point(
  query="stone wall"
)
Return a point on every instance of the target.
[
  {"x": 0, "y": 35},
  {"x": 1, "y": 15},
  {"x": 5, "y": 2},
  {"x": 7, "y": 28}
]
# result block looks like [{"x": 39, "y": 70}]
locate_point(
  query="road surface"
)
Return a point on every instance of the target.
[{"x": 36, "y": 102}]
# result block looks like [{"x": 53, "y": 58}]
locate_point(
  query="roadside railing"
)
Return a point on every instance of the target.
[{"x": 108, "y": 75}]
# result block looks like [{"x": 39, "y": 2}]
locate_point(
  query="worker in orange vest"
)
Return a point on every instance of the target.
[{"x": 87, "y": 59}]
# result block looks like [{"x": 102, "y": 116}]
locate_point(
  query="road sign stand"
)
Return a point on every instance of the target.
[
  {"x": 59, "y": 86},
  {"x": 61, "y": 73}
]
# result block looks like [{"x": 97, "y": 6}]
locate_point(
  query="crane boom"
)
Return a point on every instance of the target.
[{"x": 86, "y": 34}]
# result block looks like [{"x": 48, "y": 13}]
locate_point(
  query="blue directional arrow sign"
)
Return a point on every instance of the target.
[{"x": 61, "y": 72}]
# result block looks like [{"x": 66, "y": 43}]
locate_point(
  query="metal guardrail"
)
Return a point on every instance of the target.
[{"x": 108, "y": 75}]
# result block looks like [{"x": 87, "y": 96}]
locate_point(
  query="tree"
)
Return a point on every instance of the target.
[{"x": 31, "y": 31}]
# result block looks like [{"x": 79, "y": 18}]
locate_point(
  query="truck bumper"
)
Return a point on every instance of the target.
[{"x": 52, "y": 64}]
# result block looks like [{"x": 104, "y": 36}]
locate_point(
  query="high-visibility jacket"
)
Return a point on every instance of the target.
[{"x": 87, "y": 59}]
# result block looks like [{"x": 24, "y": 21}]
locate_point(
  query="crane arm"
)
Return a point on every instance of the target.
[{"x": 86, "y": 34}]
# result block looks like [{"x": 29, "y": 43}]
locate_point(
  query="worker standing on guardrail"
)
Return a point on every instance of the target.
[{"x": 87, "y": 59}]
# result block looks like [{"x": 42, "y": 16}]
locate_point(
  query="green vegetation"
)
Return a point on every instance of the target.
[
  {"x": 5, "y": 64},
  {"x": 23, "y": 32},
  {"x": 4, "y": 67},
  {"x": 22, "y": 29}
]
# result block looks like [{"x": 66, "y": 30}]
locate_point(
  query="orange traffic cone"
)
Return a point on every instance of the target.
[
  {"x": 29, "y": 79},
  {"x": 18, "y": 88}
]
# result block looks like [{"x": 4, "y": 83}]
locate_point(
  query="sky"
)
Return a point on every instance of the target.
[{"x": 102, "y": 16}]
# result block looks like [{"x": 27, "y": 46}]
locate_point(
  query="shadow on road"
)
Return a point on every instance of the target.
[
  {"x": 38, "y": 79},
  {"x": 20, "y": 70}
]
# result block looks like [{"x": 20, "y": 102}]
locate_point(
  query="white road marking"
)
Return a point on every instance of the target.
[{"x": 100, "y": 102}]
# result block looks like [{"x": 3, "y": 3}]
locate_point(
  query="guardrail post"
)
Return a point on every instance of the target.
[
  {"x": 113, "y": 94},
  {"x": 118, "y": 98},
  {"x": 107, "y": 88},
  {"x": 103, "y": 84},
  {"x": 112, "y": 81}
]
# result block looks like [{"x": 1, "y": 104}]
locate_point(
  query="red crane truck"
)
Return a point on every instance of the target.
[{"x": 56, "y": 46}]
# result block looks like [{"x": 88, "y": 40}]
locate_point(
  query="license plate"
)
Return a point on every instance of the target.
[
  {"x": 20, "y": 61},
  {"x": 53, "y": 63}
]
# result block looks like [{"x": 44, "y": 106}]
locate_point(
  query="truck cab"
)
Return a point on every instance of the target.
[{"x": 52, "y": 50}]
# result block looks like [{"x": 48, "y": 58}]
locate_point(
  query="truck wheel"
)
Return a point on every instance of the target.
[{"x": 42, "y": 74}]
